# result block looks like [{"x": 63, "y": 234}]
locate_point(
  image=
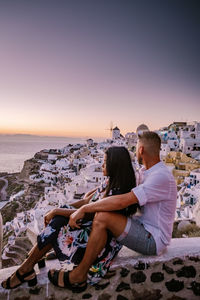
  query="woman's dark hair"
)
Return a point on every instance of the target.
[{"x": 120, "y": 172}]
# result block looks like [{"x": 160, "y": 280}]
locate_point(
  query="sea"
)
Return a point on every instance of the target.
[{"x": 15, "y": 149}]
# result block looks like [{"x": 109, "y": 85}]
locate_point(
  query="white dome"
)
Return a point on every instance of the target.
[{"x": 142, "y": 128}]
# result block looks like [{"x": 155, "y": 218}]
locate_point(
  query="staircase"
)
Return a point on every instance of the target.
[{"x": 15, "y": 254}]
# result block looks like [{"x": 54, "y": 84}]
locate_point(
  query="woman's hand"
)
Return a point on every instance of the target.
[
  {"x": 48, "y": 217},
  {"x": 87, "y": 199},
  {"x": 90, "y": 193},
  {"x": 74, "y": 219}
]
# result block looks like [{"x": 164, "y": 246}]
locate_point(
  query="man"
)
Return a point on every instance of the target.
[{"x": 149, "y": 233}]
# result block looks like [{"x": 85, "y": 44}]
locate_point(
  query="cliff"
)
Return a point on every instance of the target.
[{"x": 30, "y": 167}]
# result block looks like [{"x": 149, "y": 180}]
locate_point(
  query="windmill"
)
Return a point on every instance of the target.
[{"x": 110, "y": 129}]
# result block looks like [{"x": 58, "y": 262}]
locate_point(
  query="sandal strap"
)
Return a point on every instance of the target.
[
  {"x": 21, "y": 277},
  {"x": 75, "y": 287},
  {"x": 8, "y": 283},
  {"x": 70, "y": 285},
  {"x": 54, "y": 278},
  {"x": 79, "y": 284},
  {"x": 67, "y": 283}
]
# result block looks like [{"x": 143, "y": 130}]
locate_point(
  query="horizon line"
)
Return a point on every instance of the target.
[{"x": 46, "y": 135}]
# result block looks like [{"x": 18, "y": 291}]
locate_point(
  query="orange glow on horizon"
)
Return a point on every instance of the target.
[{"x": 54, "y": 133}]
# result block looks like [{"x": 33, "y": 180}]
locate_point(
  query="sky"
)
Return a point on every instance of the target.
[{"x": 70, "y": 68}]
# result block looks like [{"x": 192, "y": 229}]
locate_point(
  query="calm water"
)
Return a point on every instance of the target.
[{"x": 15, "y": 149}]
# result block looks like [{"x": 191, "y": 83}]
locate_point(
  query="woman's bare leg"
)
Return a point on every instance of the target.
[
  {"x": 34, "y": 256},
  {"x": 103, "y": 221}
]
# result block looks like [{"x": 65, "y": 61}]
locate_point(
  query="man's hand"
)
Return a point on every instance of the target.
[
  {"x": 48, "y": 217},
  {"x": 74, "y": 219}
]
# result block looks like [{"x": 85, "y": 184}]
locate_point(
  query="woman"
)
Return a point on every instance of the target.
[{"x": 70, "y": 244}]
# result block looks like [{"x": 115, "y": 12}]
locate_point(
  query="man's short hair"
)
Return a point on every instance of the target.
[{"x": 151, "y": 141}]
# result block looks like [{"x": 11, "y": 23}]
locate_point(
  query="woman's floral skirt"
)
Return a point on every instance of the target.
[{"x": 70, "y": 245}]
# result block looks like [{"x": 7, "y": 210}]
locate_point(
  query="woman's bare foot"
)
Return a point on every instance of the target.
[
  {"x": 76, "y": 276},
  {"x": 14, "y": 281}
]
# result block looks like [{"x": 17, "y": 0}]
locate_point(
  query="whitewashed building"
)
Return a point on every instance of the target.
[
  {"x": 190, "y": 139},
  {"x": 62, "y": 164},
  {"x": 90, "y": 142},
  {"x": 131, "y": 139},
  {"x": 115, "y": 133},
  {"x": 165, "y": 149}
]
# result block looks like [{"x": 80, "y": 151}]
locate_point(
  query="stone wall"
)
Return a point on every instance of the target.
[
  {"x": 1, "y": 239},
  {"x": 175, "y": 275}
]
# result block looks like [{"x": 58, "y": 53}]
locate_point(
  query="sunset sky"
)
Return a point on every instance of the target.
[{"x": 69, "y": 68}]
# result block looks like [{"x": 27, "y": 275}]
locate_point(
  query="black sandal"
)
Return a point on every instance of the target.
[
  {"x": 31, "y": 282},
  {"x": 74, "y": 287}
]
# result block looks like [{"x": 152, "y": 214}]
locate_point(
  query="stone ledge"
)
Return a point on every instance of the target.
[
  {"x": 132, "y": 276},
  {"x": 178, "y": 248}
]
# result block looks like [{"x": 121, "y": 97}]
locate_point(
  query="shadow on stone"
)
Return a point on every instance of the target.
[
  {"x": 146, "y": 294},
  {"x": 187, "y": 271},
  {"x": 120, "y": 297},
  {"x": 140, "y": 266},
  {"x": 168, "y": 269},
  {"x": 174, "y": 297},
  {"x": 195, "y": 287},
  {"x": 178, "y": 261},
  {"x": 104, "y": 296},
  {"x": 110, "y": 274},
  {"x": 138, "y": 277},
  {"x": 101, "y": 286},
  {"x": 123, "y": 286},
  {"x": 174, "y": 285},
  {"x": 124, "y": 272},
  {"x": 86, "y": 296},
  {"x": 193, "y": 258},
  {"x": 35, "y": 291},
  {"x": 157, "y": 277}
]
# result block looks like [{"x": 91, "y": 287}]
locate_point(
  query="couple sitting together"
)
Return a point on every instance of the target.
[{"x": 89, "y": 233}]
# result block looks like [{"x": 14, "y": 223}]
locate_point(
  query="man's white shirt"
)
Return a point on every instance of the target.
[{"x": 157, "y": 195}]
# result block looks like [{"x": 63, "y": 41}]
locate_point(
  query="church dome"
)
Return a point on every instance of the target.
[{"x": 142, "y": 128}]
